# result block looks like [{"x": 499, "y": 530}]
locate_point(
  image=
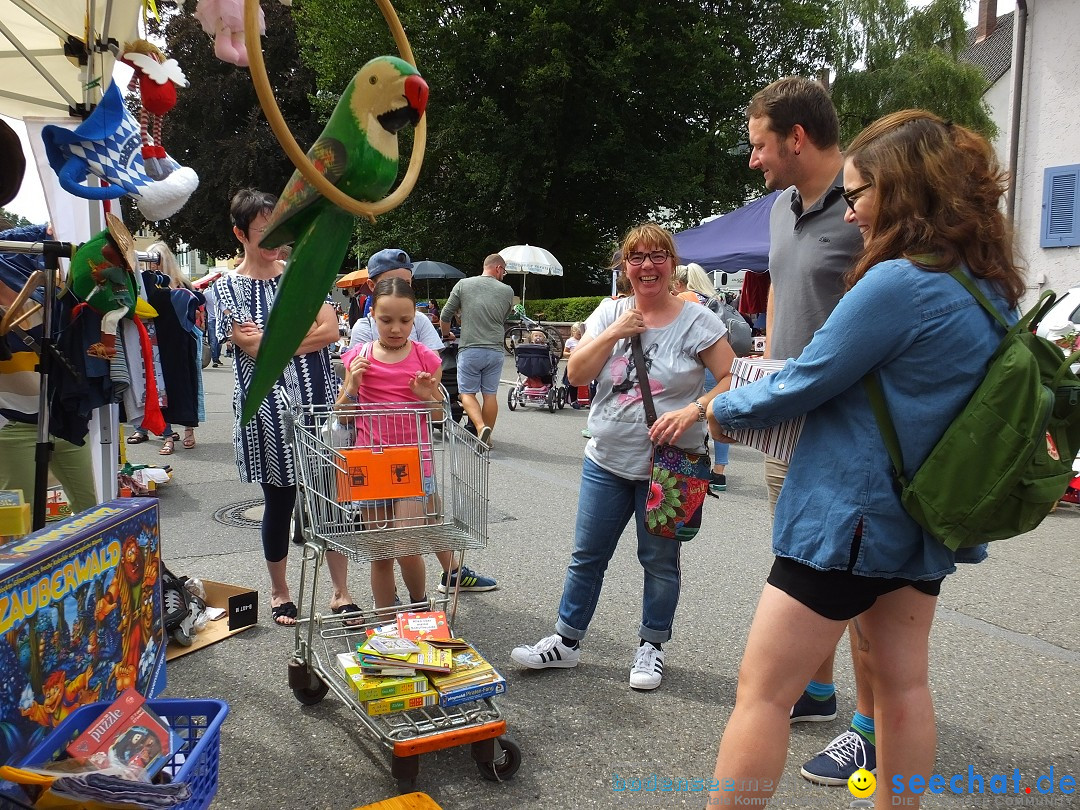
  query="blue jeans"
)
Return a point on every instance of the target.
[
  {"x": 606, "y": 502},
  {"x": 721, "y": 450},
  {"x": 215, "y": 345}
]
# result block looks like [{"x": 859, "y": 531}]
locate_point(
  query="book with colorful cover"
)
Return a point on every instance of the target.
[
  {"x": 401, "y": 703},
  {"x": 468, "y": 668},
  {"x": 428, "y": 659},
  {"x": 372, "y": 687},
  {"x": 424, "y": 624},
  {"x": 486, "y": 686},
  {"x": 128, "y": 734}
]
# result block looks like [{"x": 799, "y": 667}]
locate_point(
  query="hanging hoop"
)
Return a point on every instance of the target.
[{"x": 292, "y": 148}]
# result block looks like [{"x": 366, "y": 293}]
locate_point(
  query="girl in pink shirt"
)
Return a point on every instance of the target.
[{"x": 394, "y": 369}]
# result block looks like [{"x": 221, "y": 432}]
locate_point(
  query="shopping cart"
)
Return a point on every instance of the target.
[{"x": 350, "y": 464}]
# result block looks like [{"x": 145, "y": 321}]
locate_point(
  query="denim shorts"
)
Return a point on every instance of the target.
[
  {"x": 478, "y": 370},
  {"x": 839, "y": 595}
]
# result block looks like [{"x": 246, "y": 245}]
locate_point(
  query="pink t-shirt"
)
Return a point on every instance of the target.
[{"x": 388, "y": 383}]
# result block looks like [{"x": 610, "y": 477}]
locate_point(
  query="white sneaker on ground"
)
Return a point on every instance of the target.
[
  {"x": 648, "y": 668},
  {"x": 548, "y": 652}
]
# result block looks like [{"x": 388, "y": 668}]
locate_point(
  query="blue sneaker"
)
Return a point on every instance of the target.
[
  {"x": 469, "y": 581},
  {"x": 840, "y": 759},
  {"x": 808, "y": 709}
]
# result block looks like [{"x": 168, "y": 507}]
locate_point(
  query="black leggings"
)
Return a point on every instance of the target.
[{"x": 278, "y": 503}]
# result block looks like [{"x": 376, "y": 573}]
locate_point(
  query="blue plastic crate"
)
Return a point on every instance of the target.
[{"x": 196, "y": 722}]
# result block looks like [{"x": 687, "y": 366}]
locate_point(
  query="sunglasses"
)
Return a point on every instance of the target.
[{"x": 851, "y": 196}]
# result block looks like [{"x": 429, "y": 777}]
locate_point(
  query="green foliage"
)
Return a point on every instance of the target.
[
  {"x": 562, "y": 309},
  {"x": 218, "y": 129},
  {"x": 9, "y": 219},
  {"x": 563, "y": 123},
  {"x": 891, "y": 57}
]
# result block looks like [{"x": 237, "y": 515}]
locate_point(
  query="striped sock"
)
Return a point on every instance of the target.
[
  {"x": 820, "y": 691},
  {"x": 865, "y": 726}
]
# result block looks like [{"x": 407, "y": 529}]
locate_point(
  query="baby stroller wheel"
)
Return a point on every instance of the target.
[
  {"x": 552, "y": 396},
  {"x": 511, "y": 398}
]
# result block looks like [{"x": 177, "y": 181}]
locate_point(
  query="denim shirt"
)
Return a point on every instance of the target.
[{"x": 930, "y": 342}]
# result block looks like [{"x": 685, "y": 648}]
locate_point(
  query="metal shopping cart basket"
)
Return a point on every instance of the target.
[{"x": 353, "y": 467}]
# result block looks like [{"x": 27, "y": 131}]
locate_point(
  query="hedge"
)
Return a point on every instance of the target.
[{"x": 568, "y": 310}]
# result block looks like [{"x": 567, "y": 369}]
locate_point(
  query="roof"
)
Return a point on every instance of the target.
[{"x": 993, "y": 56}]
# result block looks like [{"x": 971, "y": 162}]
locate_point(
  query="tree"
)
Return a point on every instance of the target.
[
  {"x": 563, "y": 123},
  {"x": 890, "y": 57},
  {"x": 218, "y": 129},
  {"x": 9, "y": 219}
]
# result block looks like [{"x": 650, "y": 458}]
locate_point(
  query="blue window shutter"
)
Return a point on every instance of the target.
[{"x": 1061, "y": 207}]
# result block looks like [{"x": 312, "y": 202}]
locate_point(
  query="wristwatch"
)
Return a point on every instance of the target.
[{"x": 701, "y": 410}]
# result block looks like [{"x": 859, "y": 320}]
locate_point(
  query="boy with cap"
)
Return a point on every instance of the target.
[{"x": 395, "y": 263}]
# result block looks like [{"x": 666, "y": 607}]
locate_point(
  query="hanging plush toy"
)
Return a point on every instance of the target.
[
  {"x": 224, "y": 21},
  {"x": 108, "y": 145},
  {"x": 157, "y": 78},
  {"x": 102, "y": 276}
]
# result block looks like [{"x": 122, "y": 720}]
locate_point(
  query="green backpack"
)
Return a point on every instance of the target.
[{"x": 1006, "y": 459}]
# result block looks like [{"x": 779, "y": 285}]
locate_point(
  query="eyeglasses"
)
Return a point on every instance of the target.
[
  {"x": 851, "y": 196},
  {"x": 654, "y": 256}
]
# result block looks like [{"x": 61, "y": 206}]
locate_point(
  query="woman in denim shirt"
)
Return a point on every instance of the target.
[{"x": 924, "y": 193}]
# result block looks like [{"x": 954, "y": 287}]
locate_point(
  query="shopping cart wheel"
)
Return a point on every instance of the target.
[
  {"x": 404, "y": 770},
  {"x": 506, "y": 762},
  {"x": 511, "y": 398},
  {"x": 306, "y": 685}
]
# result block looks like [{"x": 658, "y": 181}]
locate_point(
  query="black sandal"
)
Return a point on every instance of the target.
[
  {"x": 138, "y": 438},
  {"x": 286, "y": 610}
]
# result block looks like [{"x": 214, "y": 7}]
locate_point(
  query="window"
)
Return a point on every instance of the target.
[{"x": 1061, "y": 207}]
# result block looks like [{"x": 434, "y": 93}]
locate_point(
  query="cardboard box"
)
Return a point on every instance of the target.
[
  {"x": 80, "y": 618},
  {"x": 241, "y": 606},
  {"x": 777, "y": 441}
]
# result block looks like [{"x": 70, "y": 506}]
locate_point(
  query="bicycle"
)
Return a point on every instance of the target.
[{"x": 522, "y": 333}]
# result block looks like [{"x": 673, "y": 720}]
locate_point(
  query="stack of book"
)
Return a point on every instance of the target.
[{"x": 415, "y": 663}]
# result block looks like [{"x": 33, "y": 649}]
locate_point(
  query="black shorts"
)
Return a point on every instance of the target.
[{"x": 838, "y": 595}]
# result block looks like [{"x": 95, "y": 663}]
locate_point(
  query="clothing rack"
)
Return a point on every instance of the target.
[{"x": 53, "y": 252}]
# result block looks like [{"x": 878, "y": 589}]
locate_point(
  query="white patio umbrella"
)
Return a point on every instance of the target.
[
  {"x": 530, "y": 259},
  {"x": 41, "y": 42}
]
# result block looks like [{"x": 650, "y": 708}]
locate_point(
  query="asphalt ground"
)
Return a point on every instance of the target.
[{"x": 1005, "y": 658}]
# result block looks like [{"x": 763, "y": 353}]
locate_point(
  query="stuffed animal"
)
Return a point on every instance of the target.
[
  {"x": 224, "y": 21},
  {"x": 108, "y": 145},
  {"x": 157, "y": 78}
]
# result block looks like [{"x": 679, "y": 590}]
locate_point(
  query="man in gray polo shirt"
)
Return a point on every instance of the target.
[
  {"x": 484, "y": 302},
  {"x": 794, "y": 141}
]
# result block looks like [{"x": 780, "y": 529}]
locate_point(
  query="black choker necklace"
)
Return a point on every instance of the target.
[{"x": 392, "y": 348}]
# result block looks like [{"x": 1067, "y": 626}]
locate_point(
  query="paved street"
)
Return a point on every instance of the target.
[{"x": 1005, "y": 649}]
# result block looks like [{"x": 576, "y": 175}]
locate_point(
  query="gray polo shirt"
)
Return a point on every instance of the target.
[
  {"x": 484, "y": 303},
  {"x": 809, "y": 253}
]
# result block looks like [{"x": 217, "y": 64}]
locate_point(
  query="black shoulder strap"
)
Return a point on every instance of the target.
[{"x": 643, "y": 380}]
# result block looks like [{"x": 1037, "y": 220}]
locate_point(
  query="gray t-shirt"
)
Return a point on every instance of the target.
[
  {"x": 809, "y": 253},
  {"x": 364, "y": 331},
  {"x": 620, "y": 438},
  {"x": 484, "y": 303}
]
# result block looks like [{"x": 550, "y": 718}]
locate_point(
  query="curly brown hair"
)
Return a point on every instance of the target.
[{"x": 938, "y": 187}]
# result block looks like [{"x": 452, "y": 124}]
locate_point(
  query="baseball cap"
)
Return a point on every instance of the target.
[{"x": 388, "y": 259}]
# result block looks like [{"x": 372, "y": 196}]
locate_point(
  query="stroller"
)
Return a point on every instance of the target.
[{"x": 538, "y": 369}]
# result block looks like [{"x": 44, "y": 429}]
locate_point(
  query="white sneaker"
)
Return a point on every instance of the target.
[
  {"x": 548, "y": 652},
  {"x": 648, "y": 668}
]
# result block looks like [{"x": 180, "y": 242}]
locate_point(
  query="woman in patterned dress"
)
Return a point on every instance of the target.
[{"x": 263, "y": 455}]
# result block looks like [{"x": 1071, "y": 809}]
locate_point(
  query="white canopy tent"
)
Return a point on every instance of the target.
[{"x": 57, "y": 57}]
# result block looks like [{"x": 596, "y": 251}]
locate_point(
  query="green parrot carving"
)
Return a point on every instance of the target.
[{"x": 357, "y": 152}]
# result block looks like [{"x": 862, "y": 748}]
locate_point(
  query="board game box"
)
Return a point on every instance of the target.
[{"x": 80, "y": 618}]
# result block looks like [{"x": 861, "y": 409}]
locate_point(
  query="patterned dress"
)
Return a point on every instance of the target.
[{"x": 262, "y": 454}]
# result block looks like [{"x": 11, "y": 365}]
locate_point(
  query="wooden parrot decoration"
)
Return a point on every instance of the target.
[{"x": 357, "y": 152}]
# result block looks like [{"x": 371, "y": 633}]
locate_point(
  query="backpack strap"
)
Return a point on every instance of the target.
[{"x": 874, "y": 393}]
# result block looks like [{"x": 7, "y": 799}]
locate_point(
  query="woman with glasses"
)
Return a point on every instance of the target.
[
  {"x": 924, "y": 193},
  {"x": 263, "y": 454},
  {"x": 680, "y": 340}
]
